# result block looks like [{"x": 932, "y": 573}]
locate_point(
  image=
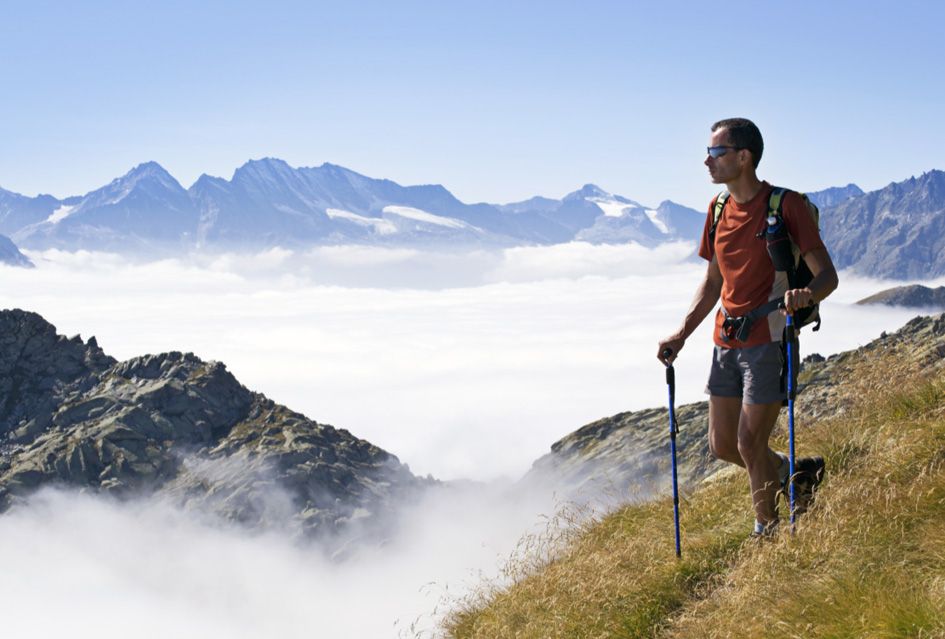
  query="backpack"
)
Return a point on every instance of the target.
[{"x": 784, "y": 253}]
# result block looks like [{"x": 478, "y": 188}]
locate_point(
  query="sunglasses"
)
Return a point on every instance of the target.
[{"x": 718, "y": 151}]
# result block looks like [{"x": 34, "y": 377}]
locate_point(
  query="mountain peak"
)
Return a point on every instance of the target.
[
  {"x": 266, "y": 167},
  {"x": 150, "y": 168},
  {"x": 586, "y": 191},
  {"x": 270, "y": 161},
  {"x": 147, "y": 172}
]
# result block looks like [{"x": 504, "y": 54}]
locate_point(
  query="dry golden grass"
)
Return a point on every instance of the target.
[{"x": 868, "y": 560}]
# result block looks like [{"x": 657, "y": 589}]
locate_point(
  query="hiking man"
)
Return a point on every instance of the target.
[{"x": 744, "y": 387}]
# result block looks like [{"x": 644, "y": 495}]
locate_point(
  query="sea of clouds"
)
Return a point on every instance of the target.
[{"x": 466, "y": 365}]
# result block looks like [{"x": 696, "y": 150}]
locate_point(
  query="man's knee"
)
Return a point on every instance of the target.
[
  {"x": 755, "y": 428},
  {"x": 751, "y": 446},
  {"x": 723, "y": 425},
  {"x": 722, "y": 447}
]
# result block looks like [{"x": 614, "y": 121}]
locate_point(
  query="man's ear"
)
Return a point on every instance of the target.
[{"x": 744, "y": 156}]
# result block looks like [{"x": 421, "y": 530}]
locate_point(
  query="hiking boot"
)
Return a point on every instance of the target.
[{"x": 808, "y": 473}]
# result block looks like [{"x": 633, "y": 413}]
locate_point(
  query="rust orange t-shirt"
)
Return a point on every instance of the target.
[{"x": 749, "y": 278}]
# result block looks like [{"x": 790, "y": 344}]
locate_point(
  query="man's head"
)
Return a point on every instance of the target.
[
  {"x": 743, "y": 134},
  {"x": 734, "y": 150}
]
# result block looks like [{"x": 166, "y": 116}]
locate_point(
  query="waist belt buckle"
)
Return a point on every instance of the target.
[
  {"x": 744, "y": 329},
  {"x": 730, "y": 328}
]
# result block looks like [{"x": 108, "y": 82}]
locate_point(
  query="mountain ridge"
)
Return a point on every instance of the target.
[
  {"x": 895, "y": 232},
  {"x": 267, "y": 202}
]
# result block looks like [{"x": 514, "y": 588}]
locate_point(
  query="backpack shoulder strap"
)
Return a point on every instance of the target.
[
  {"x": 776, "y": 204},
  {"x": 776, "y": 201},
  {"x": 720, "y": 201}
]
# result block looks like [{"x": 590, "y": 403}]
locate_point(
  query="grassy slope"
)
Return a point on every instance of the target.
[{"x": 868, "y": 560}]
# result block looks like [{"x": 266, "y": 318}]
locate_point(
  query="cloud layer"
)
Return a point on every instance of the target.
[
  {"x": 467, "y": 365},
  {"x": 464, "y": 365}
]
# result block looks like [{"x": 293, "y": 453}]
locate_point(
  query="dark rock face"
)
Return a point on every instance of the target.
[
  {"x": 916, "y": 296},
  {"x": 174, "y": 426}
]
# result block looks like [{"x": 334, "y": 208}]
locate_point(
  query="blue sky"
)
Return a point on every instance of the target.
[{"x": 497, "y": 101}]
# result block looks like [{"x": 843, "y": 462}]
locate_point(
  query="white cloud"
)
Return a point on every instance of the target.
[
  {"x": 354, "y": 255},
  {"x": 149, "y": 570}
]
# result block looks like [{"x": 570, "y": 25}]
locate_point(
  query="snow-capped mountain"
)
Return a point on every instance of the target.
[
  {"x": 146, "y": 207},
  {"x": 625, "y": 220},
  {"x": 269, "y": 203}
]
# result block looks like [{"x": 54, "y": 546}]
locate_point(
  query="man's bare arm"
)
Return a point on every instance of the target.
[
  {"x": 823, "y": 284},
  {"x": 705, "y": 299}
]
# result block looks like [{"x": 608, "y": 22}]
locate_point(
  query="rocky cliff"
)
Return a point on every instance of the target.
[{"x": 173, "y": 426}]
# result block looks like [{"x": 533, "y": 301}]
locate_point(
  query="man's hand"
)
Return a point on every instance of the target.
[
  {"x": 796, "y": 299},
  {"x": 674, "y": 344}
]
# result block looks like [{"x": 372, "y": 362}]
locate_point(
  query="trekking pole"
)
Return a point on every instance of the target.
[
  {"x": 673, "y": 428},
  {"x": 789, "y": 335},
  {"x": 778, "y": 243}
]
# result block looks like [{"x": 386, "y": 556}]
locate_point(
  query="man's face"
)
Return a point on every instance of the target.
[{"x": 725, "y": 168}]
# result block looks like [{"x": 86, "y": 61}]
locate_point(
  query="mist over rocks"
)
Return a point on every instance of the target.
[{"x": 173, "y": 426}]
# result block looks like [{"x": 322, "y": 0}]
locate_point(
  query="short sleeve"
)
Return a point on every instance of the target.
[
  {"x": 800, "y": 223},
  {"x": 706, "y": 248}
]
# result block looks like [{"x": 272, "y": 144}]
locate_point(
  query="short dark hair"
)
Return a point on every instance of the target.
[{"x": 744, "y": 134}]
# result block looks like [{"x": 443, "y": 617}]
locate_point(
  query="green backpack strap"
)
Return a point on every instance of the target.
[
  {"x": 776, "y": 201},
  {"x": 720, "y": 201}
]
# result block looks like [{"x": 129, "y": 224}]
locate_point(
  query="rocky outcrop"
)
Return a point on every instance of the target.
[
  {"x": 174, "y": 426},
  {"x": 915, "y": 295},
  {"x": 627, "y": 455}
]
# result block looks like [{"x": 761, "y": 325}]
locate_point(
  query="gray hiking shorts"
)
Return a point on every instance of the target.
[{"x": 752, "y": 373}]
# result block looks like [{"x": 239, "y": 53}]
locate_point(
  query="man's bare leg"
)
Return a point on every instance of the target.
[
  {"x": 738, "y": 434},
  {"x": 754, "y": 429}
]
